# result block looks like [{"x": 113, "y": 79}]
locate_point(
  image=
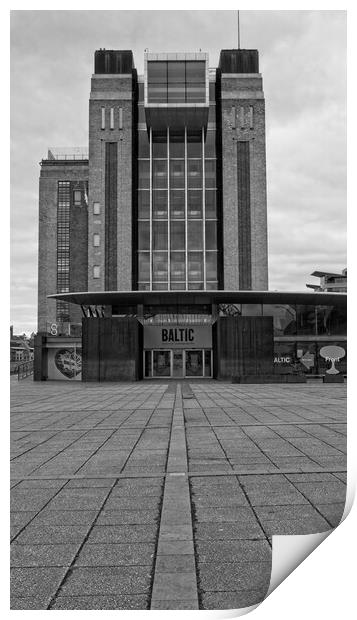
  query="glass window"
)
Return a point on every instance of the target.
[
  {"x": 194, "y": 173},
  {"x": 144, "y": 174},
  {"x": 159, "y": 145},
  {"x": 212, "y": 91},
  {"x": 96, "y": 240},
  {"x": 194, "y": 144},
  {"x": 326, "y": 364},
  {"x": 96, "y": 271},
  {"x": 159, "y": 230},
  {"x": 211, "y": 265},
  {"x": 177, "y": 204},
  {"x": 176, "y": 71},
  {"x": 211, "y": 212},
  {"x": 159, "y": 174},
  {"x": 144, "y": 205},
  {"x": 194, "y": 204},
  {"x": 77, "y": 197},
  {"x": 178, "y": 286},
  {"x": 194, "y": 363},
  {"x": 252, "y": 310},
  {"x": 177, "y": 144},
  {"x": 195, "y": 266},
  {"x": 144, "y": 266},
  {"x": 159, "y": 266},
  {"x": 210, "y": 170},
  {"x": 177, "y": 236},
  {"x": 195, "y": 286},
  {"x": 177, "y": 266},
  {"x": 212, "y": 286},
  {"x": 284, "y": 318},
  {"x": 306, "y": 319},
  {"x": 212, "y": 114},
  {"x": 208, "y": 369},
  {"x": 157, "y": 71},
  {"x": 307, "y": 358},
  {"x": 196, "y": 93},
  {"x": 96, "y": 208},
  {"x": 195, "y": 71},
  {"x": 144, "y": 235},
  {"x": 285, "y": 360},
  {"x": 194, "y": 235},
  {"x": 177, "y": 173},
  {"x": 159, "y": 204},
  {"x": 176, "y": 93},
  {"x": 162, "y": 363},
  {"x": 211, "y": 235},
  {"x": 210, "y": 144},
  {"x": 144, "y": 146},
  {"x": 157, "y": 93},
  {"x": 141, "y": 91}
]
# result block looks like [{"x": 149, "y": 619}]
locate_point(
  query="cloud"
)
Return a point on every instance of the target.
[{"x": 303, "y": 62}]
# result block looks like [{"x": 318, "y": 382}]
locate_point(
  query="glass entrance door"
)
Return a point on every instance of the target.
[
  {"x": 194, "y": 363},
  {"x": 162, "y": 364},
  {"x": 177, "y": 363}
]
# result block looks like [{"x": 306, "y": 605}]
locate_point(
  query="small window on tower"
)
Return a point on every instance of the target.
[
  {"x": 96, "y": 240},
  {"x": 96, "y": 208},
  {"x": 103, "y": 118},
  {"x": 96, "y": 271},
  {"x": 77, "y": 197}
]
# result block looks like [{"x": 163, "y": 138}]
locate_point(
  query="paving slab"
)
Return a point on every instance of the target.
[{"x": 119, "y": 487}]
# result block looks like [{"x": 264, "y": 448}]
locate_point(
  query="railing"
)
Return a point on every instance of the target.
[{"x": 24, "y": 369}]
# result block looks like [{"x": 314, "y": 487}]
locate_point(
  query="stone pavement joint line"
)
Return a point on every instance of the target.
[{"x": 175, "y": 583}]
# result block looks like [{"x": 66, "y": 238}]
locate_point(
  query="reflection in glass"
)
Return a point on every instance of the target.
[
  {"x": 177, "y": 144},
  {"x": 159, "y": 267},
  {"x": 194, "y": 144},
  {"x": 210, "y": 173},
  {"x": 144, "y": 174},
  {"x": 194, "y": 235},
  {"x": 159, "y": 175},
  {"x": 161, "y": 363},
  {"x": 144, "y": 205},
  {"x": 144, "y": 235},
  {"x": 211, "y": 235},
  {"x": 194, "y": 173},
  {"x": 194, "y": 204},
  {"x": 144, "y": 266},
  {"x": 159, "y": 237},
  {"x": 211, "y": 265},
  {"x": 194, "y": 364},
  {"x": 177, "y": 236},
  {"x": 177, "y": 174},
  {"x": 195, "y": 266},
  {"x": 177, "y": 266},
  {"x": 210, "y": 144},
  {"x": 159, "y": 145},
  {"x": 144, "y": 145},
  {"x": 211, "y": 204},
  {"x": 159, "y": 204},
  {"x": 177, "y": 204},
  {"x": 284, "y": 318}
]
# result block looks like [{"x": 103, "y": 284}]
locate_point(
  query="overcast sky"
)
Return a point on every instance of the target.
[{"x": 303, "y": 62}]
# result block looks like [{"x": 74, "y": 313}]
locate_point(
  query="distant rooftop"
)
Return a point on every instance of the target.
[{"x": 68, "y": 153}]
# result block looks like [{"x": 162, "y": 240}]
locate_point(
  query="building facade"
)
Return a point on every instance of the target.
[{"x": 150, "y": 238}]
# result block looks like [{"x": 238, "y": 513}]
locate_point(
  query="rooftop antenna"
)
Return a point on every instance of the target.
[{"x": 238, "y": 32}]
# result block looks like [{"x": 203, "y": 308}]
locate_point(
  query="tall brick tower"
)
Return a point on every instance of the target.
[{"x": 243, "y": 165}]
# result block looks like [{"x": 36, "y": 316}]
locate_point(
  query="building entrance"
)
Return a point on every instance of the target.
[{"x": 177, "y": 363}]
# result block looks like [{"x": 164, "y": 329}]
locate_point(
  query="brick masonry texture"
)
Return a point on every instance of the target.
[
  {"x": 231, "y": 90},
  {"x": 97, "y": 138},
  {"x": 47, "y": 259}
]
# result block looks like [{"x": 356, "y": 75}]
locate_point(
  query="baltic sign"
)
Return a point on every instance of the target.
[{"x": 178, "y": 337}]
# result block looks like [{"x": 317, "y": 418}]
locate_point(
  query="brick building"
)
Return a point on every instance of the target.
[{"x": 156, "y": 232}]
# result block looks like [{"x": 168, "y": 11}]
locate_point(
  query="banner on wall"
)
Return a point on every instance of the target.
[{"x": 65, "y": 363}]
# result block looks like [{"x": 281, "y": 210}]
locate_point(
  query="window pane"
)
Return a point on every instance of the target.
[
  {"x": 177, "y": 204},
  {"x": 195, "y": 266},
  {"x": 144, "y": 147},
  {"x": 211, "y": 204},
  {"x": 177, "y": 266},
  {"x": 195, "y": 93},
  {"x": 144, "y": 174},
  {"x": 157, "y": 71},
  {"x": 144, "y": 205},
  {"x": 157, "y": 93},
  {"x": 211, "y": 235},
  {"x": 195, "y": 71},
  {"x": 144, "y": 266},
  {"x": 176, "y": 93},
  {"x": 159, "y": 267},
  {"x": 194, "y": 144},
  {"x": 176, "y": 71},
  {"x": 212, "y": 91},
  {"x": 194, "y": 235},
  {"x": 177, "y": 173},
  {"x": 210, "y": 144},
  {"x": 212, "y": 114},
  {"x": 194, "y": 173},
  {"x": 159, "y": 204},
  {"x": 159, "y": 145},
  {"x": 210, "y": 169},
  {"x": 177, "y": 236},
  {"x": 159, "y": 230},
  {"x": 194, "y": 204},
  {"x": 211, "y": 265},
  {"x": 144, "y": 235},
  {"x": 159, "y": 174},
  {"x": 177, "y": 145},
  {"x": 284, "y": 318}
]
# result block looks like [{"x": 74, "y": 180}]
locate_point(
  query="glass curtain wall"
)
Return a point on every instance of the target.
[{"x": 177, "y": 217}]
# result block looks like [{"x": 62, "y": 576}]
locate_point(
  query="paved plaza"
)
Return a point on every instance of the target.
[{"x": 160, "y": 495}]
